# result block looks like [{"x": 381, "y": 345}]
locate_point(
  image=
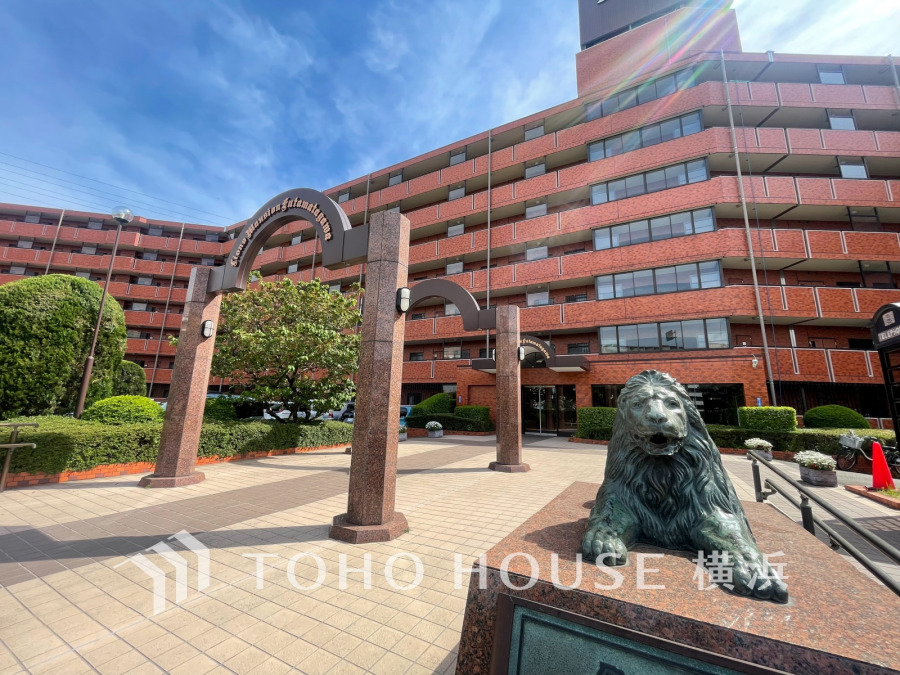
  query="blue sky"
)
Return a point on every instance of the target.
[{"x": 201, "y": 110}]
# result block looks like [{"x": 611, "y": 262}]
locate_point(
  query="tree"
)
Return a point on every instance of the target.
[
  {"x": 290, "y": 343},
  {"x": 46, "y": 328},
  {"x": 131, "y": 381}
]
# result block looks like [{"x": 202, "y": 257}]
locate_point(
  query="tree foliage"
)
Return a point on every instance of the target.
[
  {"x": 46, "y": 328},
  {"x": 291, "y": 343},
  {"x": 131, "y": 381}
]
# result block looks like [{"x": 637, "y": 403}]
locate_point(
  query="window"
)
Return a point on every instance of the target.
[
  {"x": 452, "y": 352},
  {"x": 457, "y": 156},
  {"x": 537, "y": 298},
  {"x": 144, "y": 281},
  {"x": 841, "y": 120},
  {"x": 579, "y": 348},
  {"x": 292, "y": 268},
  {"x": 417, "y": 316},
  {"x": 89, "y": 249},
  {"x": 649, "y": 91},
  {"x": 535, "y": 168},
  {"x": 860, "y": 343},
  {"x": 831, "y": 75},
  {"x": 211, "y": 237},
  {"x": 652, "y": 181},
  {"x": 578, "y": 297},
  {"x": 132, "y": 333},
  {"x": 450, "y": 309},
  {"x": 148, "y": 255},
  {"x": 853, "y": 167},
  {"x": 139, "y": 306},
  {"x": 417, "y": 356},
  {"x": 456, "y": 229},
  {"x": 687, "y": 277},
  {"x": 395, "y": 178},
  {"x": 536, "y": 210},
  {"x": 455, "y": 267},
  {"x": 154, "y": 231},
  {"x": 393, "y": 209},
  {"x": 484, "y": 354},
  {"x": 209, "y": 262},
  {"x": 25, "y": 243},
  {"x": 334, "y": 288},
  {"x": 17, "y": 269},
  {"x": 534, "y": 132},
  {"x": 32, "y": 217},
  {"x": 647, "y": 136},
  {"x": 717, "y": 333},
  {"x": 536, "y": 251},
  {"x": 95, "y": 224},
  {"x": 666, "y": 336},
  {"x": 343, "y": 196},
  {"x": 456, "y": 193},
  {"x": 609, "y": 343},
  {"x": 605, "y": 287},
  {"x": 83, "y": 275}
]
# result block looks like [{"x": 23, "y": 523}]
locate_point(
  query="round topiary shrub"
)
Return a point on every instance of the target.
[
  {"x": 131, "y": 381},
  {"x": 834, "y": 417},
  {"x": 124, "y": 410},
  {"x": 46, "y": 327}
]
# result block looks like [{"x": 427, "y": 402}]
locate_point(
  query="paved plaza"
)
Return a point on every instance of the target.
[{"x": 74, "y": 598}]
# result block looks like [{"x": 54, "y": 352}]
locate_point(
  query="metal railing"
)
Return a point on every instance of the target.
[
  {"x": 12, "y": 446},
  {"x": 811, "y": 521}
]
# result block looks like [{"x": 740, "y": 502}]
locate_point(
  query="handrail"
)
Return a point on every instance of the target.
[
  {"x": 11, "y": 446},
  {"x": 810, "y": 521}
]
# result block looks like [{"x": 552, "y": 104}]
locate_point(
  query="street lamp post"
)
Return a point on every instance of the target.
[{"x": 122, "y": 216}]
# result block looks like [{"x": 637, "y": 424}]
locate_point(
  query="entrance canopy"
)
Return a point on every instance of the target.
[{"x": 569, "y": 363}]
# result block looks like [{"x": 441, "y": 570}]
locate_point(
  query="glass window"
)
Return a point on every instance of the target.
[
  {"x": 32, "y": 217},
  {"x": 688, "y": 279},
  {"x": 628, "y": 339},
  {"x": 693, "y": 335},
  {"x": 643, "y": 282},
  {"x": 417, "y": 316},
  {"x": 717, "y": 331},
  {"x": 24, "y": 243},
  {"x": 457, "y": 156},
  {"x": 691, "y": 124},
  {"x": 605, "y": 288},
  {"x": 578, "y": 348},
  {"x": 208, "y": 262},
  {"x": 640, "y": 232},
  {"x": 616, "y": 189},
  {"x": 683, "y": 78},
  {"x": 393, "y": 209},
  {"x": 624, "y": 285},
  {"x": 666, "y": 281},
  {"x": 534, "y": 132},
  {"x": 87, "y": 275},
  {"x": 292, "y": 268},
  {"x": 621, "y": 235},
  {"x": 595, "y": 151},
  {"x": 656, "y": 180},
  {"x": 704, "y": 221},
  {"x": 614, "y": 146},
  {"x": 831, "y": 75},
  {"x": 843, "y": 121},
  {"x": 139, "y": 306},
  {"x": 211, "y": 237},
  {"x": 456, "y": 230},
  {"x": 648, "y": 336},
  {"x": 634, "y": 185},
  {"x": 144, "y": 281},
  {"x": 593, "y": 110},
  {"x": 335, "y": 288},
  {"x": 647, "y": 92},
  {"x": 395, "y": 179},
  {"x": 155, "y": 232},
  {"x": 610, "y": 105},
  {"x": 609, "y": 342},
  {"x": 343, "y": 197},
  {"x": 627, "y": 99},
  {"x": 455, "y": 267},
  {"x": 417, "y": 356},
  {"x": 681, "y": 224},
  {"x": 660, "y": 228},
  {"x": 536, "y": 253},
  {"x": 148, "y": 255},
  {"x": 95, "y": 224},
  {"x": 535, "y": 170},
  {"x": 599, "y": 194},
  {"x": 671, "y": 335},
  {"x": 709, "y": 274},
  {"x": 17, "y": 269},
  {"x": 853, "y": 167},
  {"x": 696, "y": 171},
  {"x": 89, "y": 249},
  {"x": 296, "y": 239},
  {"x": 650, "y": 135},
  {"x": 665, "y": 86},
  {"x": 675, "y": 176},
  {"x": 536, "y": 298},
  {"x": 601, "y": 239},
  {"x": 450, "y": 309},
  {"x": 631, "y": 141},
  {"x": 669, "y": 130},
  {"x": 456, "y": 193},
  {"x": 536, "y": 211},
  {"x": 452, "y": 352}
]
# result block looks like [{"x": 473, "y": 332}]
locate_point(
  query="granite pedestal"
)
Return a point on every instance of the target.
[
  {"x": 837, "y": 619},
  {"x": 509, "y": 393}
]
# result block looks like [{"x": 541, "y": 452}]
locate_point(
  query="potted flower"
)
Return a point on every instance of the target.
[
  {"x": 435, "y": 430},
  {"x": 762, "y": 447},
  {"x": 816, "y": 468},
  {"x": 403, "y": 435}
]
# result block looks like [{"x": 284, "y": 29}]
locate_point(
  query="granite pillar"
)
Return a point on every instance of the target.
[
  {"x": 370, "y": 513},
  {"x": 509, "y": 393},
  {"x": 187, "y": 394}
]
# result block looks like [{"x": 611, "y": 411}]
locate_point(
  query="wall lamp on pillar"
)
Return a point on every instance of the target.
[
  {"x": 402, "y": 300},
  {"x": 206, "y": 328},
  {"x": 755, "y": 361},
  {"x": 521, "y": 353}
]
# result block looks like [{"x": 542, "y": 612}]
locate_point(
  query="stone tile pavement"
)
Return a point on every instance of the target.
[{"x": 72, "y": 600}]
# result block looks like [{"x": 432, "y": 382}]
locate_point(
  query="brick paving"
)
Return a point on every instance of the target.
[{"x": 70, "y": 605}]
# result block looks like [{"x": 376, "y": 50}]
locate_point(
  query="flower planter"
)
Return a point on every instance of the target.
[
  {"x": 818, "y": 477},
  {"x": 403, "y": 437},
  {"x": 438, "y": 433},
  {"x": 762, "y": 453}
]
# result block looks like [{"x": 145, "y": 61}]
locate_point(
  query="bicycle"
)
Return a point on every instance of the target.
[{"x": 852, "y": 446}]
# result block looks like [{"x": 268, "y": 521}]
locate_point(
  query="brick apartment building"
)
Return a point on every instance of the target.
[{"x": 615, "y": 221}]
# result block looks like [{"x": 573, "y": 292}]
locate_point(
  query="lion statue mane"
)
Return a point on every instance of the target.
[{"x": 665, "y": 486}]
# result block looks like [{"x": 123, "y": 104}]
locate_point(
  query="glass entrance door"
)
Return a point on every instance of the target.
[{"x": 549, "y": 410}]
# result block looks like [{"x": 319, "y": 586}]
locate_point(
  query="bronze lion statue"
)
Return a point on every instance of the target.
[{"x": 665, "y": 486}]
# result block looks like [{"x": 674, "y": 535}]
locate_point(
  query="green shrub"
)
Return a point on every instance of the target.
[
  {"x": 124, "y": 410},
  {"x": 67, "y": 444},
  {"x": 46, "y": 328},
  {"x": 131, "y": 380},
  {"x": 833, "y": 417},
  {"x": 595, "y": 423},
  {"x": 449, "y": 422},
  {"x": 769, "y": 417},
  {"x": 474, "y": 412},
  {"x": 439, "y": 403},
  {"x": 822, "y": 440},
  {"x": 220, "y": 409}
]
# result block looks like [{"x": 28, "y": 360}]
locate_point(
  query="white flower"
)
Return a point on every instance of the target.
[
  {"x": 759, "y": 444},
  {"x": 433, "y": 426},
  {"x": 815, "y": 460}
]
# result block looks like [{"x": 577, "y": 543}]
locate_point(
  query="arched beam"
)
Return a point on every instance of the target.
[
  {"x": 341, "y": 245},
  {"x": 473, "y": 317}
]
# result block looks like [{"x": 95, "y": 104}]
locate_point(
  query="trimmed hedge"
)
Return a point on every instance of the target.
[
  {"x": 449, "y": 422},
  {"x": 131, "y": 380},
  {"x": 769, "y": 417},
  {"x": 474, "y": 412},
  {"x": 439, "y": 403},
  {"x": 220, "y": 409},
  {"x": 67, "y": 444},
  {"x": 832, "y": 417},
  {"x": 595, "y": 423},
  {"x": 124, "y": 410},
  {"x": 823, "y": 440}
]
